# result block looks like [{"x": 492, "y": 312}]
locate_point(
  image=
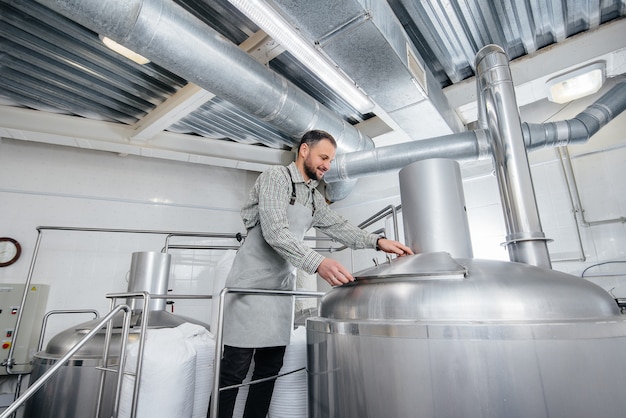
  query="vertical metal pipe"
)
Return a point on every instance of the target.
[
  {"x": 433, "y": 208},
  {"x": 525, "y": 242},
  {"x": 10, "y": 361},
  {"x": 217, "y": 367}
]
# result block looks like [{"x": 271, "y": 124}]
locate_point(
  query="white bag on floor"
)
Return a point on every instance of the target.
[
  {"x": 168, "y": 376},
  {"x": 290, "y": 397},
  {"x": 203, "y": 343}
]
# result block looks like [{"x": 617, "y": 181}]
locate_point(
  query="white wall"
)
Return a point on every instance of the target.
[{"x": 44, "y": 185}]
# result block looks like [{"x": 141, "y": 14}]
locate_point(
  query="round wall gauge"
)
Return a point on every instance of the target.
[{"x": 10, "y": 251}]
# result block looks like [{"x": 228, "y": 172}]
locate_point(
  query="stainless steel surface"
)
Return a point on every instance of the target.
[
  {"x": 69, "y": 397},
  {"x": 432, "y": 336},
  {"x": 149, "y": 272},
  {"x": 33, "y": 262},
  {"x": 103, "y": 349},
  {"x": 145, "y": 268},
  {"x": 526, "y": 241},
  {"x": 61, "y": 312},
  {"x": 464, "y": 146},
  {"x": 426, "y": 370},
  {"x": 436, "y": 287},
  {"x": 433, "y": 205},
  {"x": 475, "y": 145}
]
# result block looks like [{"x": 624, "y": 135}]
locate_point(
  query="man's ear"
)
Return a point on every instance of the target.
[{"x": 304, "y": 150}]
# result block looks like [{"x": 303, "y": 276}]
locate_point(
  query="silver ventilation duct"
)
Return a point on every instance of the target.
[
  {"x": 580, "y": 128},
  {"x": 176, "y": 40},
  {"x": 474, "y": 145},
  {"x": 469, "y": 145},
  {"x": 366, "y": 39}
]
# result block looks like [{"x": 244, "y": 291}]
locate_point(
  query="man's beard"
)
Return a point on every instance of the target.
[{"x": 310, "y": 172}]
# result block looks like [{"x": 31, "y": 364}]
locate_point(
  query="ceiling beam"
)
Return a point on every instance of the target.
[
  {"x": 191, "y": 97},
  {"x": 37, "y": 126}
]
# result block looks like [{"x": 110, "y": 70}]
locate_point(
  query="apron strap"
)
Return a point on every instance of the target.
[{"x": 292, "y": 200}]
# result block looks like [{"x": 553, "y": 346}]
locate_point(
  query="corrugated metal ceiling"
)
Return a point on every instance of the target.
[
  {"x": 448, "y": 34},
  {"x": 52, "y": 64}
]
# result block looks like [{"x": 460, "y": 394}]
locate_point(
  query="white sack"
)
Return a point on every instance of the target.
[{"x": 168, "y": 375}]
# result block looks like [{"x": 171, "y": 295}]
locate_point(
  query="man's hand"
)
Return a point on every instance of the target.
[
  {"x": 393, "y": 247},
  {"x": 334, "y": 272}
]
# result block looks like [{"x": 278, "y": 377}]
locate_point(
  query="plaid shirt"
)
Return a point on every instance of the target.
[{"x": 267, "y": 204}]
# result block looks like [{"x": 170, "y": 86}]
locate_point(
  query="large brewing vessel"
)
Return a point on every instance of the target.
[
  {"x": 432, "y": 336},
  {"x": 441, "y": 334}
]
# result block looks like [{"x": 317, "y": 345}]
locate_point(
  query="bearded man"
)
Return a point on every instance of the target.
[{"x": 283, "y": 204}]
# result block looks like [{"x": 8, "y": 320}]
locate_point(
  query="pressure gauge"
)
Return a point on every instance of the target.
[{"x": 10, "y": 251}]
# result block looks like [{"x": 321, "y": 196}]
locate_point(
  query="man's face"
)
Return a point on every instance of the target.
[{"x": 317, "y": 159}]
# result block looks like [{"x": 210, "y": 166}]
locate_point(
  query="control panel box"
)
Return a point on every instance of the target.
[{"x": 30, "y": 327}]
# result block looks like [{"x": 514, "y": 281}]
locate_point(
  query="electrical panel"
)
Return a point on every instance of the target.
[{"x": 30, "y": 327}]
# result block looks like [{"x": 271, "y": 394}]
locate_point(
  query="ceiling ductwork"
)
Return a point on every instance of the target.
[
  {"x": 474, "y": 145},
  {"x": 365, "y": 39},
  {"x": 173, "y": 38}
]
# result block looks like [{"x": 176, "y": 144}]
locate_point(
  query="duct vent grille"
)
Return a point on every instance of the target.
[{"x": 417, "y": 70}]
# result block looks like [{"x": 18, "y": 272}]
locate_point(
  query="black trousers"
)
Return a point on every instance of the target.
[{"x": 234, "y": 368}]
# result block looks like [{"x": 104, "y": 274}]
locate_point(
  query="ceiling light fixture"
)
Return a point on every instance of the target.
[
  {"x": 576, "y": 84},
  {"x": 122, "y": 50},
  {"x": 281, "y": 31}
]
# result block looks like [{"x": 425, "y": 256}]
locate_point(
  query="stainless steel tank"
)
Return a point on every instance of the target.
[
  {"x": 433, "y": 336},
  {"x": 73, "y": 391}
]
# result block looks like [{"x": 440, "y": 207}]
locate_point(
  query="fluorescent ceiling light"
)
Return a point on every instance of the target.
[
  {"x": 122, "y": 50},
  {"x": 281, "y": 31},
  {"x": 576, "y": 84}
]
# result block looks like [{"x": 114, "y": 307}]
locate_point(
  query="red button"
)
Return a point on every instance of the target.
[{"x": 6, "y": 345}]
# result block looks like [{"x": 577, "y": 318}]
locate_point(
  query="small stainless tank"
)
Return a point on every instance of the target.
[
  {"x": 433, "y": 336},
  {"x": 73, "y": 391}
]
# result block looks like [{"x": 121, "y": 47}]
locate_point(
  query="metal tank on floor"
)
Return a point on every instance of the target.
[
  {"x": 441, "y": 334},
  {"x": 73, "y": 392}
]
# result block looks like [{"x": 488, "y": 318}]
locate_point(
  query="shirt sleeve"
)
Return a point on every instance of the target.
[
  {"x": 336, "y": 226},
  {"x": 274, "y": 195}
]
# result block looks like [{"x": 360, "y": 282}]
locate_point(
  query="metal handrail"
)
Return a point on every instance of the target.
[
  {"x": 44, "y": 323},
  {"x": 214, "y": 409},
  {"x": 35, "y": 386},
  {"x": 10, "y": 360},
  {"x": 381, "y": 214}
]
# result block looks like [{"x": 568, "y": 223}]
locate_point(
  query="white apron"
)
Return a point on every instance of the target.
[{"x": 261, "y": 320}]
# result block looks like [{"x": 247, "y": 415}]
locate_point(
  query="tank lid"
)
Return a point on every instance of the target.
[
  {"x": 439, "y": 265},
  {"x": 436, "y": 287}
]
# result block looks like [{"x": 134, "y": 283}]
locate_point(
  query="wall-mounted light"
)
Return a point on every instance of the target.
[
  {"x": 122, "y": 50},
  {"x": 576, "y": 84},
  {"x": 281, "y": 31}
]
